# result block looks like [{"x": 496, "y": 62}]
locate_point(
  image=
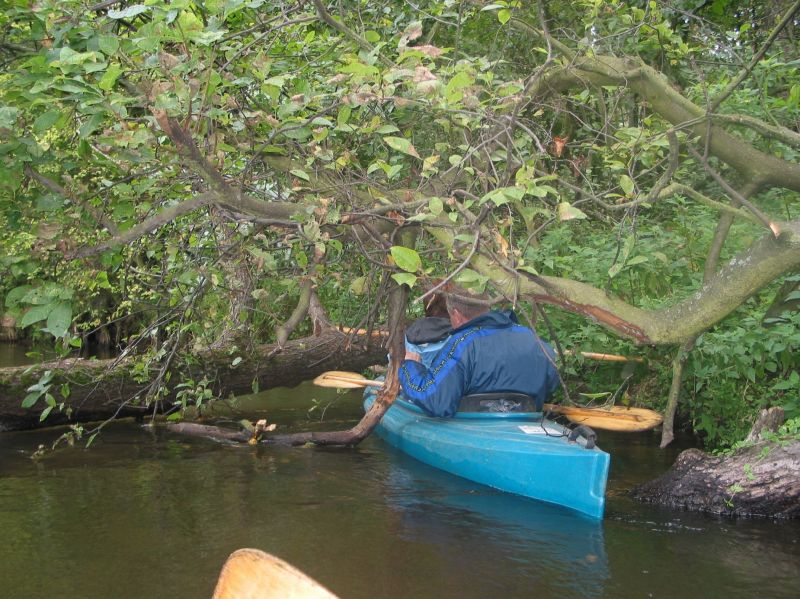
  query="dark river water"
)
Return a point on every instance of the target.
[{"x": 147, "y": 513}]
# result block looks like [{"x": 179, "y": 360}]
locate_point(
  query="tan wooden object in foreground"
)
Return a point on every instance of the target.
[{"x": 254, "y": 574}]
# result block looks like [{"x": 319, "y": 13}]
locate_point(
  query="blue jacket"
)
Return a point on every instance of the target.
[{"x": 490, "y": 353}]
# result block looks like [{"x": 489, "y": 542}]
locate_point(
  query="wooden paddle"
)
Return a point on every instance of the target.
[
  {"x": 615, "y": 418},
  {"x": 254, "y": 574}
]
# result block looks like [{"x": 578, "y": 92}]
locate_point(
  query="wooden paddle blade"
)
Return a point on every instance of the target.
[
  {"x": 616, "y": 418},
  {"x": 342, "y": 379},
  {"x": 254, "y": 574}
]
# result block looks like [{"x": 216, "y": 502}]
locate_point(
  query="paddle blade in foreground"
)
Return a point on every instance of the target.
[{"x": 253, "y": 574}]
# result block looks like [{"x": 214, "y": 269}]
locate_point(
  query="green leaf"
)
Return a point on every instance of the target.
[
  {"x": 127, "y": 12},
  {"x": 359, "y": 68},
  {"x": 31, "y": 399},
  {"x": 567, "y": 211},
  {"x": 45, "y": 413},
  {"x": 453, "y": 91},
  {"x": 91, "y": 125},
  {"x": 384, "y": 129},
  {"x": 627, "y": 184},
  {"x": 373, "y": 37},
  {"x": 108, "y": 44},
  {"x": 15, "y": 295},
  {"x": 59, "y": 319},
  {"x": 300, "y": 174},
  {"x": 404, "y": 278},
  {"x": 435, "y": 205},
  {"x": 46, "y": 120},
  {"x": 503, "y": 16},
  {"x": 503, "y": 195},
  {"x": 36, "y": 314},
  {"x": 470, "y": 279},
  {"x": 358, "y": 286},
  {"x": 401, "y": 145},
  {"x": 406, "y": 258},
  {"x": 637, "y": 260},
  {"x": 49, "y": 202},
  {"x": 236, "y": 361},
  {"x": 615, "y": 269},
  {"x": 344, "y": 115},
  {"x": 110, "y": 77},
  {"x": 8, "y": 116},
  {"x": 393, "y": 171}
]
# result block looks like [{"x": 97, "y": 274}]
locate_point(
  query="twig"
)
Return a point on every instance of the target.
[{"x": 763, "y": 218}]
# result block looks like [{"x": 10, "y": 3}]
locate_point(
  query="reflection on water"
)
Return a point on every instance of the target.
[
  {"x": 552, "y": 550},
  {"x": 16, "y": 354},
  {"x": 148, "y": 514},
  {"x": 19, "y": 354}
]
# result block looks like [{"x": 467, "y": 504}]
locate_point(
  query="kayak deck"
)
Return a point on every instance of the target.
[{"x": 519, "y": 453}]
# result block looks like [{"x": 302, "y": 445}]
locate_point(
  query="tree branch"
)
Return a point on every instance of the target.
[
  {"x": 348, "y": 33},
  {"x": 753, "y": 164},
  {"x": 731, "y": 87},
  {"x": 782, "y": 134},
  {"x": 743, "y": 276}
]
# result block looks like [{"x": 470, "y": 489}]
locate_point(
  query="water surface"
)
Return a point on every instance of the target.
[{"x": 146, "y": 513}]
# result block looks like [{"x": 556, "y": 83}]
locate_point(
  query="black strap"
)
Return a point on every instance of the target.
[{"x": 586, "y": 432}]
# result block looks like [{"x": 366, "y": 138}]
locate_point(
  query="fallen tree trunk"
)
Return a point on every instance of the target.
[
  {"x": 398, "y": 299},
  {"x": 100, "y": 389},
  {"x": 762, "y": 479}
]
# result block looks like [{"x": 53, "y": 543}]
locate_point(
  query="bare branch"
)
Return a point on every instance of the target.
[
  {"x": 763, "y": 218},
  {"x": 782, "y": 134}
]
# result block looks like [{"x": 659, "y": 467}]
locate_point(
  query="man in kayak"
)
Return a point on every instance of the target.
[{"x": 487, "y": 352}]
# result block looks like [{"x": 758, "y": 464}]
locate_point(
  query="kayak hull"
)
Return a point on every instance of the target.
[{"x": 519, "y": 453}]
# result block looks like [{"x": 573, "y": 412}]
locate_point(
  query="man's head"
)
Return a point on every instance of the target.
[
  {"x": 436, "y": 305},
  {"x": 463, "y": 305}
]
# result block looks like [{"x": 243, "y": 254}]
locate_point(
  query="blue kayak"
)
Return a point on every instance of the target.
[{"x": 516, "y": 452}]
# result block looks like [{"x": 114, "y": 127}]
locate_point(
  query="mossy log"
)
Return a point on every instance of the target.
[
  {"x": 760, "y": 480},
  {"x": 99, "y": 389}
]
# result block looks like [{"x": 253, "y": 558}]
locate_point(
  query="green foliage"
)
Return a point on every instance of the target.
[
  {"x": 737, "y": 370},
  {"x": 420, "y": 118}
]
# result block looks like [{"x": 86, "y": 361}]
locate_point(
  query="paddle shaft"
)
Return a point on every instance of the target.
[
  {"x": 567, "y": 410},
  {"x": 589, "y": 355}
]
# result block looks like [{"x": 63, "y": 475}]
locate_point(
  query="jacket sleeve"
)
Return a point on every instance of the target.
[{"x": 437, "y": 391}]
